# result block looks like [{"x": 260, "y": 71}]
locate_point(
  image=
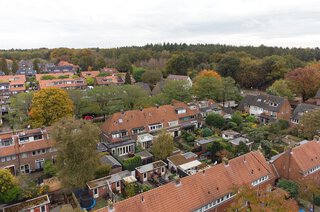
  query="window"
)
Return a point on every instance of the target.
[
  {"x": 118, "y": 184},
  {"x": 43, "y": 208},
  {"x": 3, "y": 159},
  {"x": 24, "y": 155},
  {"x": 144, "y": 175},
  {"x": 260, "y": 180},
  {"x": 38, "y": 137},
  {"x": 155, "y": 127},
  {"x": 7, "y": 142},
  {"x": 8, "y": 158}
]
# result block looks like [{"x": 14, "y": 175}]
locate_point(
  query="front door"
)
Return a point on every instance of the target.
[{"x": 95, "y": 193}]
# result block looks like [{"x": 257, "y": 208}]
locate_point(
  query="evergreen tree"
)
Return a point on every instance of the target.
[
  {"x": 15, "y": 67},
  {"x": 127, "y": 78}
]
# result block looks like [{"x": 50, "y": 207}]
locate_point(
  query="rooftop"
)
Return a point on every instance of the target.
[
  {"x": 190, "y": 165},
  {"x": 108, "y": 179},
  {"x": 151, "y": 166},
  {"x": 28, "y": 204}
]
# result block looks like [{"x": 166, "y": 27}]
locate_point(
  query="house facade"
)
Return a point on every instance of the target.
[
  {"x": 120, "y": 131},
  {"x": 208, "y": 190},
  {"x": 26, "y": 151},
  {"x": 267, "y": 108},
  {"x": 300, "y": 162}
]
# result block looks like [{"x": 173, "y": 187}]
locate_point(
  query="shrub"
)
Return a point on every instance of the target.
[
  {"x": 102, "y": 171},
  {"x": 49, "y": 169},
  {"x": 190, "y": 138},
  {"x": 215, "y": 120},
  {"x": 206, "y": 132},
  {"x": 317, "y": 200},
  {"x": 132, "y": 163},
  {"x": 232, "y": 125},
  {"x": 291, "y": 187},
  {"x": 63, "y": 76}
]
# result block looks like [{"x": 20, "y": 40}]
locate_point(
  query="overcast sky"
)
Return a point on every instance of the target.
[{"x": 95, "y": 23}]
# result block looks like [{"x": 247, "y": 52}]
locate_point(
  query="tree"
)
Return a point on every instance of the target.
[
  {"x": 4, "y": 66},
  {"x": 76, "y": 142},
  {"x": 90, "y": 81},
  {"x": 229, "y": 89},
  {"x": 304, "y": 82},
  {"x": 280, "y": 88},
  {"x": 9, "y": 190},
  {"x": 151, "y": 76},
  {"x": 36, "y": 64},
  {"x": 241, "y": 149},
  {"x": 273, "y": 67},
  {"x": 208, "y": 88},
  {"x": 19, "y": 108},
  {"x": 237, "y": 118},
  {"x": 215, "y": 120},
  {"x": 15, "y": 66},
  {"x": 50, "y": 105},
  {"x": 49, "y": 169},
  {"x": 163, "y": 145},
  {"x": 309, "y": 190},
  {"x": 209, "y": 73},
  {"x": 290, "y": 186},
  {"x": 29, "y": 187},
  {"x": 310, "y": 123},
  {"x": 137, "y": 73},
  {"x": 179, "y": 64},
  {"x": 206, "y": 132},
  {"x": 267, "y": 200},
  {"x": 102, "y": 171},
  {"x": 214, "y": 148},
  {"x": 128, "y": 78},
  {"x": 178, "y": 90},
  {"x": 124, "y": 63},
  {"x": 228, "y": 66}
]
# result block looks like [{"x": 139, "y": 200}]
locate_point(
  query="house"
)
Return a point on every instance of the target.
[
  {"x": 87, "y": 74},
  {"x": 209, "y": 190},
  {"x": 38, "y": 204},
  {"x": 300, "y": 162},
  {"x": 120, "y": 131},
  {"x": 145, "y": 140},
  {"x": 25, "y": 65},
  {"x": 300, "y": 110},
  {"x": 112, "y": 162},
  {"x": 60, "y": 80},
  {"x": 27, "y": 73},
  {"x": 106, "y": 186},
  {"x": 267, "y": 108},
  {"x": 180, "y": 78},
  {"x": 176, "y": 160},
  {"x": 109, "y": 80},
  {"x": 25, "y": 151},
  {"x": 146, "y": 172},
  {"x": 230, "y": 134}
]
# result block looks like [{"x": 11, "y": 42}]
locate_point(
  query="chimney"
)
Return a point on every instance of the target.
[
  {"x": 225, "y": 161},
  {"x": 142, "y": 198},
  {"x": 157, "y": 105},
  {"x": 140, "y": 108},
  {"x": 204, "y": 172},
  {"x": 177, "y": 180},
  {"x": 122, "y": 111},
  {"x": 316, "y": 138},
  {"x": 244, "y": 159},
  {"x": 110, "y": 206}
]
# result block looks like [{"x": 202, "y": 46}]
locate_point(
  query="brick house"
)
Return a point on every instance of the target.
[
  {"x": 38, "y": 204},
  {"x": 146, "y": 172},
  {"x": 62, "y": 80},
  {"x": 209, "y": 190},
  {"x": 301, "y": 109},
  {"x": 120, "y": 131},
  {"x": 267, "y": 108},
  {"x": 106, "y": 186},
  {"x": 25, "y": 151},
  {"x": 300, "y": 162},
  {"x": 10, "y": 85}
]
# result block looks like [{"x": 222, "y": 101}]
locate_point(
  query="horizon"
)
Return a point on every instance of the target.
[{"x": 80, "y": 24}]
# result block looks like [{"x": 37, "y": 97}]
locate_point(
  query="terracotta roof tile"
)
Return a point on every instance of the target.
[{"x": 202, "y": 188}]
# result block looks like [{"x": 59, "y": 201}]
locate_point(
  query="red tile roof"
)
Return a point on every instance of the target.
[
  {"x": 87, "y": 74},
  {"x": 14, "y": 80},
  {"x": 200, "y": 189}
]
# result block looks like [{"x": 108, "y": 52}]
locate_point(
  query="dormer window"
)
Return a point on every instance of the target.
[
  {"x": 181, "y": 110},
  {"x": 260, "y": 180}
]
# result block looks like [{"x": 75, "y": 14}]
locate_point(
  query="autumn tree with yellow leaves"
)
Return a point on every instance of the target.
[{"x": 49, "y": 105}]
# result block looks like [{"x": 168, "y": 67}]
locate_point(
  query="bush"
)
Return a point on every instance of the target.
[
  {"x": 49, "y": 169},
  {"x": 206, "y": 132},
  {"x": 103, "y": 74},
  {"x": 291, "y": 187},
  {"x": 232, "y": 125},
  {"x": 48, "y": 77},
  {"x": 237, "y": 118},
  {"x": 251, "y": 118},
  {"x": 190, "y": 138},
  {"x": 132, "y": 163},
  {"x": 215, "y": 120},
  {"x": 317, "y": 200},
  {"x": 102, "y": 171},
  {"x": 90, "y": 81},
  {"x": 63, "y": 77}
]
